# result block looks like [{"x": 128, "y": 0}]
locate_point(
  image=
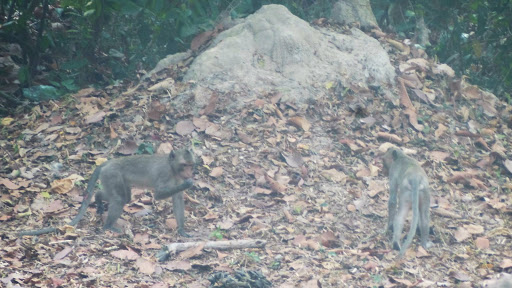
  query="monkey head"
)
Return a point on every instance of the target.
[{"x": 182, "y": 163}]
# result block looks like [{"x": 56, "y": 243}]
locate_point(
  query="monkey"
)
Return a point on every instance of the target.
[
  {"x": 408, "y": 187},
  {"x": 169, "y": 175}
]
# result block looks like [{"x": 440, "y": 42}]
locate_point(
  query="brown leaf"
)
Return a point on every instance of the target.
[
  {"x": 244, "y": 137},
  {"x": 192, "y": 252},
  {"x": 94, "y": 118},
  {"x": 201, "y": 39},
  {"x": 460, "y": 276},
  {"x": 125, "y": 254},
  {"x": 445, "y": 213},
  {"x": 506, "y": 263},
  {"x": 438, "y": 156},
  {"x": 7, "y": 183},
  {"x": 482, "y": 243},
  {"x": 63, "y": 253},
  {"x": 466, "y": 134},
  {"x": 156, "y": 110},
  {"x": 185, "y": 127},
  {"x": 201, "y": 123},
  {"x": 178, "y": 265},
  {"x": 328, "y": 239},
  {"x": 128, "y": 147},
  {"x": 212, "y": 104},
  {"x": 313, "y": 283},
  {"x": 461, "y": 234},
  {"x": 113, "y": 134},
  {"x": 62, "y": 186},
  {"x": 440, "y": 130},
  {"x": 402, "y": 281},
  {"x": 145, "y": 266},
  {"x": 274, "y": 185},
  {"x": 216, "y": 172},
  {"x": 390, "y": 137},
  {"x": 288, "y": 216},
  {"x": 300, "y": 122},
  {"x": 474, "y": 229},
  {"x": 293, "y": 159}
]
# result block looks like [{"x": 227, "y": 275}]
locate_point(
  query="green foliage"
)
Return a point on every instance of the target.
[
  {"x": 145, "y": 148},
  {"x": 217, "y": 234},
  {"x": 473, "y": 37},
  {"x": 253, "y": 256}
]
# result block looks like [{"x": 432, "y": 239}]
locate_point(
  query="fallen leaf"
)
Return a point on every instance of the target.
[
  {"x": 185, "y": 127},
  {"x": 97, "y": 117},
  {"x": 440, "y": 130},
  {"x": 7, "y": 183},
  {"x": 62, "y": 186},
  {"x": 293, "y": 159},
  {"x": 125, "y": 254},
  {"x": 389, "y": 137},
  {"x": 506, "y": 263},
  {"x": 482, "y": 243},
  {"x": 212, "y": 104},
  {"x": 145, "y": 266},
  {"x": 300, "y": 122},
  {"x": 216, "y": 172},
  {"x": 461, "y": 234},
  {"x": 63, "y": 253},
  {"x": 181, "y": 265},
  {"x": 192, "y": 252},
  {"x": 474, "y": 229}
]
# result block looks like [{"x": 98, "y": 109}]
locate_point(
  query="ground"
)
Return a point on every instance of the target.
[{"x": 305, "y": 178}]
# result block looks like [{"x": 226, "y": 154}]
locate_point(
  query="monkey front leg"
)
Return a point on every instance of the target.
[
  {"x": 178, "y": 207},
  {"x": 167, "y": 192}
]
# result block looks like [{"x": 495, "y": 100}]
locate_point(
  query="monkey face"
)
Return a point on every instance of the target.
[{"x": 187, "y": 171}]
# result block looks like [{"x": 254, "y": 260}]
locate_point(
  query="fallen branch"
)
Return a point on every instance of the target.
[{"x": 163, "y": 254}]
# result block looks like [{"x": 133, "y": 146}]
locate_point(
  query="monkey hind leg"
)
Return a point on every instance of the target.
[
  {"x": 424, "y": 221},
  {"x": 98, "y": 200},
  {"x": 398, "y": 225}
]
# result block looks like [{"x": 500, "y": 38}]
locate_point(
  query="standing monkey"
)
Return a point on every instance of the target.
[
  {"x": 408, "y": 187},
  {"x": 168, "y": 175}
]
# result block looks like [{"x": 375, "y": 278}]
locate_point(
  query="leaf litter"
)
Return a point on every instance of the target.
[{"x": 308, "y": 179}]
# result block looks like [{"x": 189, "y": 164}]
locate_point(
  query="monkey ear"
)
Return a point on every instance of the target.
[
  {"x": 395, "y": 154},
  {"x": 172, "y": 155}
]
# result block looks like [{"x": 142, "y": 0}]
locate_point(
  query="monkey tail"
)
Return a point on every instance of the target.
[
  {"x": 415, "y": 217},
  {"x": 87, "y": 200}
]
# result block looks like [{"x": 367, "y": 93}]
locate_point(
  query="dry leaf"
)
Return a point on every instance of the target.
[
  {"x": 96, "y": 117},
  {"x": 482, "y": 243},
  {"x": 192, "y": 252},
  {"x": 212, "y": 104},
  {"x": 145, "y": 266},
  {"x": 8, "y": 184},
  {"x": 125, "y": 254},
  {"x": 62, "y": 186},
  {"x": 63, "y": 253},
  {"x": 185, "y": 127},
  {"x": 389, "y": 137},
  {"x": 474, "y": 229},
  {"x": 216, "y": 172},
  {"x": 274, "y": 185},
  {"x": 300, "y": 122},
  {"x": 440, "y": 130}
]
